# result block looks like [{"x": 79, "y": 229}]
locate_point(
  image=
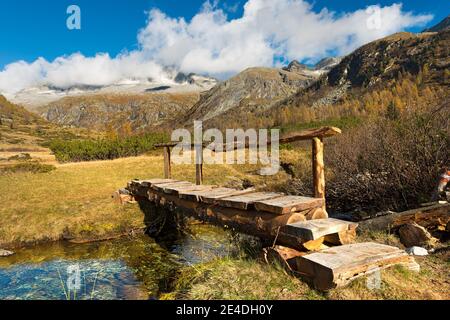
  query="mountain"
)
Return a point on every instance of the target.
[
  {"x": 176, "y": 82},
  {"x": 441, "y": 26},
  {"x": 259, "y": 93},
  {"x": 256, "y": 90},
  {"x": 378, "y": 64},
  {"x": 136, "y": 103},
  {"x": 113, "y": 111},
  {"x": 12, "y": 114}
]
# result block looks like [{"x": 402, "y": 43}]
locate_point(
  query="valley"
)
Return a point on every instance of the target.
[{"x": 65, "y": 151}]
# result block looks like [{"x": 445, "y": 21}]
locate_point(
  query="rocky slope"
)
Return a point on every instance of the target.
[
  {"x": 256, "y": 89},
  {"x": 379, "y": 63},
  {"x": 35, "y": 98},
  {"x": 441, "y": 26},
  {"x": 12, "y": 114},
  {"x": 114, "y": 111}
]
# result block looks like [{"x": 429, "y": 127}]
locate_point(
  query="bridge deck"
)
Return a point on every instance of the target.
[
  {"x": 248, "y": 199},
  {"x": 294, "y": 222}
]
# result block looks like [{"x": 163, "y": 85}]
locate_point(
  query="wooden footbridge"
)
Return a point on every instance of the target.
[{"x": 296, "y": 229}]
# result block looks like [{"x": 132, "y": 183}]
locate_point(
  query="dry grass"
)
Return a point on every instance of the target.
[
  {"x": 75, "y": 199},
  {"x": 238, "y": 279}
]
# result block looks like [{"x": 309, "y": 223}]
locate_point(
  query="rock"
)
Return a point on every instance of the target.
[
  {"x": 417, "y": 251},
  {"x": 295, "y": 66},
  {"x": 124, "y": 191},
  {"x": 122, "y": 198},
  {"x": 5, "y": 253},
  {"x": 411, "y": 235}
]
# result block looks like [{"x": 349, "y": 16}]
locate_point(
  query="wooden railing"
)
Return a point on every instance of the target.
[{"x": 315, "y": 135}]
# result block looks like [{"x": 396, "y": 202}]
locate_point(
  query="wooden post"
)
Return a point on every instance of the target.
[
  {"x": 167, "y": 164},
  {"x": 318, "y": 168},
  {"x": 199, "y": 164}
]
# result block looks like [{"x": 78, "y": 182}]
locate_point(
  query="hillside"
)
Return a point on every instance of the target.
[
  {"x": 255, "y": 90},
  {"x": 116, "y": 111},
  {"x": 441, "y": 26},
  {"x": 418, "y": 62},
  {"x": 12, "y": 114}
]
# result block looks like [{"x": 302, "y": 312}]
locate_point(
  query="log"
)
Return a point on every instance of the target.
[
  {"x": 412, "y": 235},
  {"x": 264, "y": 225},
  {"x": 427, "y": 217},
  {"x": 341, "y": 238},
  {"x": 337, "y": 266},
  {"x": 323, "y": 132},
  {"x": 317, "y": 213},
  {"x": 283, "y": 256},
  {"x": 314, "y": 245},
  {"x": 286, "y": 204}
]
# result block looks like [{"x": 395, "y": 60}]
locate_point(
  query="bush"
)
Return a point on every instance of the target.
[
  {"x": 104, "y": 149},
  {"x": 389, "y": 163},
  {"x": 32, "y": 167}
]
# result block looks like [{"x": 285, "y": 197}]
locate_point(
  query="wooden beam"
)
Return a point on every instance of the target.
[
  {"x": 318, "y": 168},
  {"x": 167, "y": 164},
  {"x": 428, "y": 217},
  {"x": 323, "y": 132},
  {"x": 337, "y": 266}
]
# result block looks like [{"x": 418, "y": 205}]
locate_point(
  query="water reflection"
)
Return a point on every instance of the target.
[{"x": 136, "y": 268}]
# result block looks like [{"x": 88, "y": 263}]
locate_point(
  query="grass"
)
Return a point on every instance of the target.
[
  {"x": 251, "y": 279},
  {"x": 239, "y": 279},
  {"x": 75, "y": 199}
]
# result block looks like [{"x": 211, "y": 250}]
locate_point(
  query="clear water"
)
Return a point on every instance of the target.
[{"x": 125, "y": 269}]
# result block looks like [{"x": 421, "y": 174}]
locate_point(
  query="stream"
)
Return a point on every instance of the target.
[{"x": 123, "y": 269}]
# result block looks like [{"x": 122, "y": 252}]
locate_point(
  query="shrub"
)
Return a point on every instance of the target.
[
  {"x": 389, "y": 163},
  {"x": 32, "y": 167},
  {"x": 105, "y": 149}
]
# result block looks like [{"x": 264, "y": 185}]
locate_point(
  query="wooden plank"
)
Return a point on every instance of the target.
[
  {"x": 283, "y": 205},
  {"x": 160, "y": 186},
  {"x": 195, "y": 193},
  {"x": 176, "y": 190},
  {"x": 210, "y": 197},
  {"x": 149, "y": 183},
  {"x": 315, "y": 229},
  {"x": 246, "y": 200},
  {"x": 337, "y": 266}
]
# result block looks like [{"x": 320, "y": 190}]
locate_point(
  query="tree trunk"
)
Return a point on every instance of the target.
[{"x": 341, "y": 238}]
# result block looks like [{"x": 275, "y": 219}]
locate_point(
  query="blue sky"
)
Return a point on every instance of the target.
[
  {"x": 137, "y": 39},
  {"x": 33, "y": 28}
]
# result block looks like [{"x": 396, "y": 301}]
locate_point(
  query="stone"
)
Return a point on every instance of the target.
[
  {"x": 412, "y": 235},
  {"x": 417, "y": 251},
  {"x": 5, "y": 253}
]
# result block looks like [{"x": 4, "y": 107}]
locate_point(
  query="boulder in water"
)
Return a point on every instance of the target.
[{"x": 5, "y": 253}]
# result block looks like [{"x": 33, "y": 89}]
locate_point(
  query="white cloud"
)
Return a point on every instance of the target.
[{"x": 213, "y": 44}]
